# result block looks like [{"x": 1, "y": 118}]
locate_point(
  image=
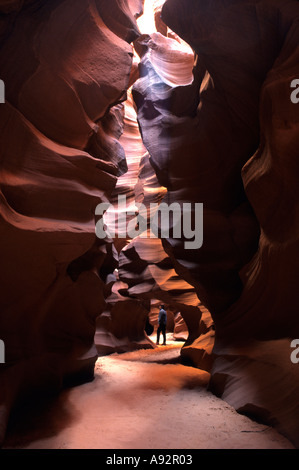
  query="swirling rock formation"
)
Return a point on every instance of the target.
[
  {"x": 145, "y": 273},
  {"x": 121, "y": 326},
  {"x": 64, "y": 64},
  {"x": 230, "y": 140},
  {"x": 218, "y": 128}
]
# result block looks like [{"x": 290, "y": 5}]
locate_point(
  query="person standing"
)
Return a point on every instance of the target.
[{"x": 162, "y": 324}]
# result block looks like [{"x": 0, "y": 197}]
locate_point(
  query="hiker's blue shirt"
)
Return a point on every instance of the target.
[{"x": 162, "y": 316}]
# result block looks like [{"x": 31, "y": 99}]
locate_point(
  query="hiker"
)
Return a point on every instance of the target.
[{"x": 162, "y": 324}]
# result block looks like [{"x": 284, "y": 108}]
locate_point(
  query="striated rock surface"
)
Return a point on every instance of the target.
[
  {"x": 64, "y": 64},
  {"x": 145, "y": 273},
  {"x": 121, "y": 326},
  {"x": 217, "y": 127},
  {"x": 229, "y": 141}
]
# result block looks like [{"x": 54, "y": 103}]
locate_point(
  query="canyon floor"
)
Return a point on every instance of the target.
[{"x": 144, "y": 399}]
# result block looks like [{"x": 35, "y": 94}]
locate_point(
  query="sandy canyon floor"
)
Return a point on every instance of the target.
[{"x": 144, "y": 399}]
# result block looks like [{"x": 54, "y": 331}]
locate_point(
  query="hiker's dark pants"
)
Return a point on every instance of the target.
[{"x": 161, "y": 328}]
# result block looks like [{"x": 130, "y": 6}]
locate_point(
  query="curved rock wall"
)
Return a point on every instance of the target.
[
  {"x": 229, "y": 141},
  {"x": 145, "y": 273},
  {"x": 218, "y": 128},
  {"x": 64, "y": 64}
]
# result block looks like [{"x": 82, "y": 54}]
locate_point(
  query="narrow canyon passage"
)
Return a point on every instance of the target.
[
  {"x": 142, "y": 400},
  {"x": 137, "y": 105}
]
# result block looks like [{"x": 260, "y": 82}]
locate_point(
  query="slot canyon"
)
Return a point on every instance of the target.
[{"x": 158, "y": 103}]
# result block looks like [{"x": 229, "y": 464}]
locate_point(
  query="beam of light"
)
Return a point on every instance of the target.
[
  {"x": 171, "y": 57},
  {"x": 146, "y": 22}
]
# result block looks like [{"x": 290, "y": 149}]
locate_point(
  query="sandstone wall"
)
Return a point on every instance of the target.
[
  {"x": 230, "y": 140},
  {"x": 64, "y": 64}
]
